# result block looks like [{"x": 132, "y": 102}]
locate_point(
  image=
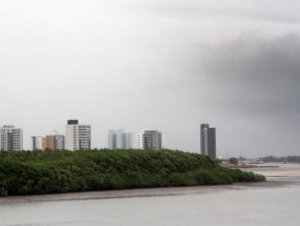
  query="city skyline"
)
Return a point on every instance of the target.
[
  {"x": 167, "y": 65},
  {"x": 117, "y": 139},
  {"x": 122, "y": 139},
  {"x": 39, "y": 142},
  {"x": 206, "y": 142}
]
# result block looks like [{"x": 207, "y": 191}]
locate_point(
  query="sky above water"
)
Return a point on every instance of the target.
[{"x": 159, "y": 64}]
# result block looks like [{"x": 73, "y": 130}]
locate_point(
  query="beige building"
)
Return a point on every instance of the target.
[{"x": 54, "y": 142}]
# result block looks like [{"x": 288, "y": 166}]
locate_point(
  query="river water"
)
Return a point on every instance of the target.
[{"x": 276, "y": 202}]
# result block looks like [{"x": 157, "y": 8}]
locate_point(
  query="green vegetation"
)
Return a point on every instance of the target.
[
  {"x": 233, "y": 161},
  {"x": 38, "y": 172}
]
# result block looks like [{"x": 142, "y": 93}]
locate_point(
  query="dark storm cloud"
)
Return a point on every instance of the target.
[{"x": 255, "y": 75}]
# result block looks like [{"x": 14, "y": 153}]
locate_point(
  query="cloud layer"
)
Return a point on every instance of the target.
[{"x": 134, "y": 64}]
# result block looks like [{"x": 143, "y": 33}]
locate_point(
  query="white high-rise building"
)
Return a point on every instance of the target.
[
  {"x": 150, "y": 139},
  {"x": 78, "y": 136},
  {"x": 11, "y": 138},
  {"x": 119, "y": 139},
  {"x": 37, "y": 143}
]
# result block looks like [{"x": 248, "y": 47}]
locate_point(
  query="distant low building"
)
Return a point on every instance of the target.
[
  {"x": 119, "y": 139},
  {"x": 150, "y": 139},
  {"x": 112, "y": 139},
  {"x": 11, "y": 138},
  {"x": 54, "y": 142},
  {"x": 37, "y": 142}
]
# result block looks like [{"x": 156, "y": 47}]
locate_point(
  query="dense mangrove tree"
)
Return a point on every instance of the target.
[{"x": 43, "y": 172}]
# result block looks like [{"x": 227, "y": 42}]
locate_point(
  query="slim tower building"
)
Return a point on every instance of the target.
[
  {"x": 78, "y": 136},
  {"x": 208, "y": 140}
]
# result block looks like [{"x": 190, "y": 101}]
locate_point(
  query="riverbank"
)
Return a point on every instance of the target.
[
  {"x": 282, "y": 176},
  {"x": 284, "y": 173}
]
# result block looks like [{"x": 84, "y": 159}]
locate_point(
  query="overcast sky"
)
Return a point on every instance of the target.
[{"x": 162, "y": 64}]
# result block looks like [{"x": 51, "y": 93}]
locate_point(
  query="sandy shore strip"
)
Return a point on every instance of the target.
[{"x": 284, "y": 175}]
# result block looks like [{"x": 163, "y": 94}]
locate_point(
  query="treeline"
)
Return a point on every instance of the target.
[
  {"x": 290, "y": 159},
  {"x": 44, "y": 172}
]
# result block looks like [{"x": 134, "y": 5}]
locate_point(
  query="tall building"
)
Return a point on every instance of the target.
[
  {"x": 119, "y": 139},
  {"x": 78, "y": 136},
  {"x": 37, "y": 143},
  {"x": 11, "y": 138},
  {"x": 208, "y": 140},
  {"x": 150, "y": 139},
  {"x": 54, "y": 142}
]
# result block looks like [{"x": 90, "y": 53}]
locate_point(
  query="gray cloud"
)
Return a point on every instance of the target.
[
  {"x": 248, "y": 88},
  {"x": 255, "y": 75}
]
